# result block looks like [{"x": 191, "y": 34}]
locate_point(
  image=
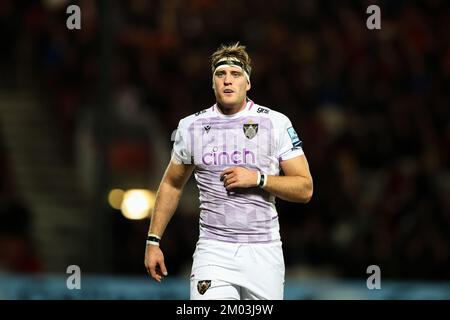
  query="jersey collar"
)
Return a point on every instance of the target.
[{"x": 247, "y": 108}]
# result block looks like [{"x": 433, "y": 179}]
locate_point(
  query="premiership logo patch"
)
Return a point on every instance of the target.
[
  {"x": 250, "y": 130},
  {"x": 203, "y": 285},
  {"x": 294, "y": 137}
]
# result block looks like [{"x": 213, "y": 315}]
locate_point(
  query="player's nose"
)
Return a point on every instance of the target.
[{"x": 227, "y": 79}]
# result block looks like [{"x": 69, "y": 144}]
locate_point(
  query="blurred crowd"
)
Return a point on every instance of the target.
[{"x": 371, "y": 106}]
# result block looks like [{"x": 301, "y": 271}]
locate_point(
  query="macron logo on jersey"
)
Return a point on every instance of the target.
[{"x": 224, "y": 158}]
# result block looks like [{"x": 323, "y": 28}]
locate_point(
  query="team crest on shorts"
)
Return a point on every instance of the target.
[
  {"x": 250, "y": 130},
  {"x": 203, "y": 285}
]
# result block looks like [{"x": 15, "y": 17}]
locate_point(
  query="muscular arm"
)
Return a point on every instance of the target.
[
  {"x": 167, "y": 198},
  {"x": 296, "y": 185},
  {"x": 168, "y": 195}
]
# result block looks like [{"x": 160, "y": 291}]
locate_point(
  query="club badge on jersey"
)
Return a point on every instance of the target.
[
  {"x": 203, "y": 285},
  {"x": 250, "y": 130}
]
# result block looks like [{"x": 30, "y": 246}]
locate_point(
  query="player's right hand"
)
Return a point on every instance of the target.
[{"x": 154, "y": 262}]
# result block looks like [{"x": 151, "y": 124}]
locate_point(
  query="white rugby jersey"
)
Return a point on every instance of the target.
[{"x": 256, "y": 138}]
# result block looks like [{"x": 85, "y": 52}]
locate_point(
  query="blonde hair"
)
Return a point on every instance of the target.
[{"x": 232, "y": 51}]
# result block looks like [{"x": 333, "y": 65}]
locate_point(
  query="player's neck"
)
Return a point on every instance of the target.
[{"x": 229, "y": 110}]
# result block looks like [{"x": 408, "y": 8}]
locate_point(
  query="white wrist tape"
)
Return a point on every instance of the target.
[
  {"x": 153, "y": 239},
  {"x": 265, "y": 180},
  {"x": 258, "y": 179}
]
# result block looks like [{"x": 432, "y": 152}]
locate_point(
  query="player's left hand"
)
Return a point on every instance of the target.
[{"x": 238, "y": 177}]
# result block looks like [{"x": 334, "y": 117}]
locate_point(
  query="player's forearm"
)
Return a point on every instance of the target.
[
  {"x": 290, "y": 188},
  {"x": 166, "y": 203}
]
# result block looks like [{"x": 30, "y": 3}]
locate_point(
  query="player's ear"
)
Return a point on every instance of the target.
[{"x": 249, "y": 85}]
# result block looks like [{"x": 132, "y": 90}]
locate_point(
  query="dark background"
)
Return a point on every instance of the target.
[{"x": 85, "y": 111}]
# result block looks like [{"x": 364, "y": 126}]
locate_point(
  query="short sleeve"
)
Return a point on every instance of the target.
[
  {"x": 181, "y": 145},
  {"x": 290, "y": 145}
]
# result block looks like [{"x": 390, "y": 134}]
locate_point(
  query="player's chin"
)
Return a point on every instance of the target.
[{"x": 228, "y": 101}]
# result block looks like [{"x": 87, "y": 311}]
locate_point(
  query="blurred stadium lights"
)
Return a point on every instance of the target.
[
  {"x": 115, "y": 198},
  {"x": 137, "y": 203}
]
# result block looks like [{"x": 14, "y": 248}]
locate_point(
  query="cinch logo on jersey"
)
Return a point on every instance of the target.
[{"x": 224, "y": 158}]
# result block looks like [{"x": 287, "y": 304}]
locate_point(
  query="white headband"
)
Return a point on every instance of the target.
[{"x": 231, "y": 61}]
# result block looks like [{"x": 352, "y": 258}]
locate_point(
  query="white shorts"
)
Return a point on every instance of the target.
[{"x": 237, "y": 271}]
